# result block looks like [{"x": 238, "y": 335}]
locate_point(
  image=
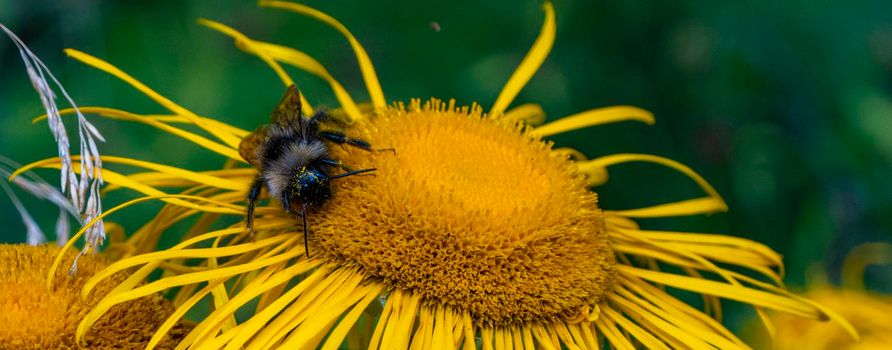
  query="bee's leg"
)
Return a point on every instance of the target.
[
  {"x": 253, "y": 195},
  {"x": 286, "y": 203},
  {"x": 335, "y": 163},
  {"x": 341, "y": 138},
  {"x": 303, "y": 214}
]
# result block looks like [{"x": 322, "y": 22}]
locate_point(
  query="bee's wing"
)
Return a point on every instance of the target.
[
  {"x": 250, "y": 146},
  {"x": 286, "y": 115},
  {"x": 288, "y": 111}
]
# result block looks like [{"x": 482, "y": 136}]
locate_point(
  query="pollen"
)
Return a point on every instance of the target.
[
  {"x": 37, "y": 317},
  {"x": 471, "y": 211}
]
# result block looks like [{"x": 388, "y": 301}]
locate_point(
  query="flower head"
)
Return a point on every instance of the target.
[
  {"x": 870, "y": 313},
  {"x": 36, "y": 316},
  {"x": 474, "y": 231}
]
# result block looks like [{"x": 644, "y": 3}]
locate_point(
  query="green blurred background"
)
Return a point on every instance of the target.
[{"x": 785, "y": 107}]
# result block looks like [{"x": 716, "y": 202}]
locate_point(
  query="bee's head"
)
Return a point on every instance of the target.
[{"x": 309, "y": 186}]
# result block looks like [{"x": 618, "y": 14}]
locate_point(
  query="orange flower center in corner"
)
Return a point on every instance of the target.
[
  {"x": 37, "y": 317},
  {"x": 470, "y": 211}
]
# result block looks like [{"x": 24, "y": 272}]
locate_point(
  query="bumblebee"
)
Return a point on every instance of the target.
[{"x": 292, "y": 157}]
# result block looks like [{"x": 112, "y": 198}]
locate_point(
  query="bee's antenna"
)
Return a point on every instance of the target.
[
  {"x": 303, "y": 214},
  {"x": 354, "y": 172}
]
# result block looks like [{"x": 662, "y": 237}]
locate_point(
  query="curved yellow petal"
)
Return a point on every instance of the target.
[
  {"x": 122, "y": 180},
  {"x": 179, "y": 312},
  {"x": 645, "y": 337},
  {"x": 705, "y": 205},
  {"x": 613, "y": 335},
  {"x": 595, "y": 117},
  {"x": 247, "y": 44},
  {"x": 365, "y": 63},
  {"x": 163, "y": 118},
  {"x": 566, "y": 152},
  {"x": 727, "y": 291},
  {"x": 171, "y": 282},
  {"x": 161, "y": 100},
  {"x": 177, "y": 254},
  {"x": 710, "y": 204},
  {"x": 685, "y": 332},
  {"x": 303, "y": 61},
  {"x": 529, "y": 113},
  {"x": 530, "y": 64},
  {"x": 230, "y": 150},
  {"x": 193, "y": 177},
  {"x": 859, "y": 258},
  {"x": 74, "y": 238}
]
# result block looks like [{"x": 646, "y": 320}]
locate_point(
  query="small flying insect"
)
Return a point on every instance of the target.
[{"x": 293, "y": 160}]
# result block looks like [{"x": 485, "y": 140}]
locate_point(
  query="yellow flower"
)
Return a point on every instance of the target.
[
  {"x": 870, "y": 313},
  {"x": 474, "y": 233},
  {"x": 37, "y": 316}
]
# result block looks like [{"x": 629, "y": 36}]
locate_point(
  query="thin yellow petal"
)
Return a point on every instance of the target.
[
  {"x": 705, "y": 205},
  {"x": 303, "y": 61},
  {"x": 709, "y": 204},
  {"x": 248, "y": 44},
  {"x": 543, "y": 339},
  {"x": 161, "y": 100},
  {"x": 727, "y": 291},
  {"x": 595, "y": 117},
  {"x": 530, "y": 64},
  {"x": 365, "y": 63},
  {"x": 74, "y": 238},
  {"x": 179, "y": 312},
  {"x": 302, "y": 336},
  {"x": 569, "y": 153},
  {"x": 383, "y": 319},
  {"x": 529, "y": 113},
  {"x": 670, "y": 305},
  {"x": 260, "y": 319},
  {"x": 160, "y": 118},
  {"x": 171, "y": 282},
  {"x": 123, "y": 181},
  {"x": 177, "y": 254},
  {"x": 337, "y": 335},
  {"x": 647, "y": 339},
  {"x": 705, "y": 239},
  {"x": 613, "y": 335},
  {"x": 859, "y": 258},
  {"x": 193, "y": 177},
  {"x": 312, "y": 299}
]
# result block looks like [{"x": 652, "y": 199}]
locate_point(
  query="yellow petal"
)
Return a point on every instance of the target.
[
  {"x": 248, "y": 45},
  {"x": 595, "y": 117},
  {"x": 727, "y": 291},
  {"x": 180, "y": 312},
  {"x": 161, "y": 100},
  {"x": 859, "y": 258},
  {"x": 303, "y": 61},
  {"x": 365, "y": 63},
  {"x": 710, "y": 204},
  {"x": 529, "y": 113},
  {"x": 647, "y": 339},
  {"x": 613, "y": 335},
  {"x": 162, "y": 118},
  {"x": 229, "y": 151},
  {"x": 337, "y": 335},
  {"x": 530, "y": 64},
  {"x": 123, "y": 181},
  {"x": 687, "y": 333},
  {"x": 171, "y": 282},
  {"x": 177, "y": 254}
]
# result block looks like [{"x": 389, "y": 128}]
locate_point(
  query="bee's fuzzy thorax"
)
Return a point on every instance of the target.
[{"x": 278, "y": 172}]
